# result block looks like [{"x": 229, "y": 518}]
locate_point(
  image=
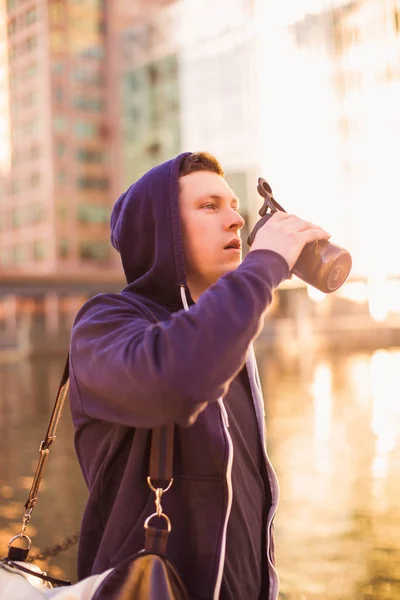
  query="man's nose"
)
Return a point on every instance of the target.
[{"x": 236, "y": 220}]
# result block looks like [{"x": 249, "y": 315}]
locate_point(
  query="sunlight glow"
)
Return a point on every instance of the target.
[
  {"x": 378, "y": 296},
  {"x": 321, "y": 389},
  {"x": 385, "y": 391},
  {"x": 358, "y": 374},
  {"x": 328, "y": 109},
  {"x": 356, "y": 291},
  {"x": 315, "y": 294}
]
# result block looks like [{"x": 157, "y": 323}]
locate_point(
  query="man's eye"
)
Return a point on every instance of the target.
[{"x": 210, "y": 206}]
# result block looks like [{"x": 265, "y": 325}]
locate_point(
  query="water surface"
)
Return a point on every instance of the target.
[{"x": 333, "y": 434}]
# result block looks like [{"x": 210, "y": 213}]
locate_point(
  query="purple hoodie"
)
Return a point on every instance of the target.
[{"x": 139, "y": 360}]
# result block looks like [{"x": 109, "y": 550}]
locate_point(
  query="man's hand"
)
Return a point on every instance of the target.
[{"x": 287, "y": 235}]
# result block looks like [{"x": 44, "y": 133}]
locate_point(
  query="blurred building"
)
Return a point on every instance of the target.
[
  {"x": 357, "y": 44},
  {"x": 93, "y": 93},
  {"x": 145, "y": 92},
  {"x": 54, "y": 209},
  {"x": 273, "y": 91},
  {"x": 187, "y": 82}
]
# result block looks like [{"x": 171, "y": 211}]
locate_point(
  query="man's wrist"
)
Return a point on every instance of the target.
[{"x": 270, "y": 263}]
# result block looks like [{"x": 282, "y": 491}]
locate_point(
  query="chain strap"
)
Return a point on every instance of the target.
[{"x": 51, "y": 551}]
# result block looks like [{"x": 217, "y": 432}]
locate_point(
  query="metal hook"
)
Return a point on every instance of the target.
[
  {"x": 265, "y": 190},
  {"x": 21, "y": 536}
]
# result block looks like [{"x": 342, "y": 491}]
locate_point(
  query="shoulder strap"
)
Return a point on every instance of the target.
[
  {"x": 44, "y": 448},
  {"x": 160, "y": 481},
  {"x": 50, "y": 436},
  {"x": 160, "y": 470}
]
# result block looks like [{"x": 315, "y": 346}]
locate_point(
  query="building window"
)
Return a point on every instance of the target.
[
  {"x": 29, "y": 99},
  {"x": 31, "y": 70},
  {"x": 96, "y": 52},
  {"x": 15, "y": 186},
  {"x": 12, "y": 27},
  {"x": 62, "y": 177},
  {"x": 30, "y": 127},
  {"x": 88, "y": 76},
  {"x": 397, "y": 21},
  {"x": 58, "y": 68},
  {"x": 3, "y": 222},
  {"x": 34, "y": 180},
  {"x": 60, "y": 149},
  {"x": 36, "y": 212},
  {"x": 30, "y": 16},
  {"x": 85, "y": 129},
  {"x": 38, "y": 250},
  {"x": 12, "y": 53},
  {"x": 63, "y": 248},
  {"x": 13, "y": 79},
  {"x": 5, "y": 257},
  {"x": 16, "y": 218},
  {"x": 62, "y": 213},
  {"x": 93, "y": 183},
  {"x": 89, "y": 213},
  {"x": 19, "y": 254},
  {"x": 58, "y": 94},
  {"x": 91, "y": 104},
  {"x": 96, "y": 251},
  {"x": 11, "y": 4},
  {"x": 14, "y": 108},
  {"x": 91, "y": 156},
  {"x": 29, "y": 44},
  {"x": 60, "y": 123}
]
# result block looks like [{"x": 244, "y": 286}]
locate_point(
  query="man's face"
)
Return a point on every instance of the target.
[{"x": 210, "y": 222}]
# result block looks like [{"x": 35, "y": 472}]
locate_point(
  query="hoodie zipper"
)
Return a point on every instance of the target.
[
  {"x": 257, "y": 394},
  {"x": 228, "y": 476},
  {"x": 225, "y": 422}
]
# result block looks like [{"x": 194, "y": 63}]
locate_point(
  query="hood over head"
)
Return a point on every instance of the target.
[{"x": 146, "y": 231}]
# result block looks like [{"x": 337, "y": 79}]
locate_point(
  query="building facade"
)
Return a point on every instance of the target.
[
  {"x": 93, "y": 93},
  {"x": 55, "y": 198},
  {"x": 187, "y": 82}
]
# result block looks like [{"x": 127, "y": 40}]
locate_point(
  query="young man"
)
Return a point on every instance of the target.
[{"x": 175, "y": 347}]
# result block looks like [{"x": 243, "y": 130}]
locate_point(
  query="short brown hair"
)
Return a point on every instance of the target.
[{"x": 200, "y": 161}]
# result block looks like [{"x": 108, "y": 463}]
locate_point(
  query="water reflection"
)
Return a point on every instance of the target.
[
  {"x": 27, "y": 393},
  {"x": 333, "y": 424},
  {"x": 333, "y": 431}
]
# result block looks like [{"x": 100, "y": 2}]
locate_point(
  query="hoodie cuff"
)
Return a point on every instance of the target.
[{"x": 268, "y": 263}]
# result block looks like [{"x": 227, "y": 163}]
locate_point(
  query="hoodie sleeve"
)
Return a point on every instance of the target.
[{"x": 129, "y": 371}]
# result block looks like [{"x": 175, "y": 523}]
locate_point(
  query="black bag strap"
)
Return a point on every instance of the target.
[
  {"x": 159, "y": 479},
  {"x": 14, "y": 565}
]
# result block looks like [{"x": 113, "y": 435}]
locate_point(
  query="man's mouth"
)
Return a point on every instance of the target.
[{"x": 234, "y": 244}]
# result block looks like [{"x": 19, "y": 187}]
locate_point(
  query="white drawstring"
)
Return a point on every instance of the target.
[
  {"x": 225, "y": 421},
  {"x": 183, "y": 297}
]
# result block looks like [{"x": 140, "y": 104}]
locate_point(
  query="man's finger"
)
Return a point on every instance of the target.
[{"x": 312, "y": 235}]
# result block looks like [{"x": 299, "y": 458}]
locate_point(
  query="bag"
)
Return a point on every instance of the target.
[
  {"x": 17, "y": 585},
  {"x": 145, "y": 577},
  {"x": 148, "y": 575}
]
